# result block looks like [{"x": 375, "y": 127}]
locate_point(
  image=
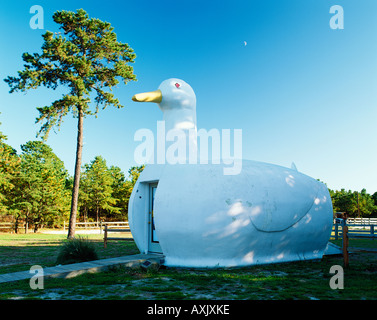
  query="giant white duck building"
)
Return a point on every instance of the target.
[{"x": 197, "y": 216}]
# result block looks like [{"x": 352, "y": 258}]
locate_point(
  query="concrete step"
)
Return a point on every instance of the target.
[{"x": 75, "y": 269}]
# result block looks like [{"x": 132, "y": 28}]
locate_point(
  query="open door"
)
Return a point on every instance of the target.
[{"x": 153, "y": 243}]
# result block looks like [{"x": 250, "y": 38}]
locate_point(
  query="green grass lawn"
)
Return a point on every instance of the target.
[
  {"x": 18, "y": 252},
  {"x": 298, "y": 280},
  {"x": 358, "y": 243}
]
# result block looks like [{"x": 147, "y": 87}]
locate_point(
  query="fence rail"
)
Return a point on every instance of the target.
[
  {"x": 79, "y": 225},
  {"x": 106, "y": 238},
  {"x": 98, "y": 225},
  {"x": 361, "y": 221},
  {"x": 6, "y": 225},
  {"x": 354, "y": 231}
]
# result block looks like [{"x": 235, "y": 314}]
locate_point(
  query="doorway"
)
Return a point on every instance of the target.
[{"x": 153, "y": 243}]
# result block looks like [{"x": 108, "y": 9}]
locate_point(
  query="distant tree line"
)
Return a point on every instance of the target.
[
  {"x": 105, "y": 191},
  {"x": 355, "y": 204},
  {"x": 35, "y": 187}
]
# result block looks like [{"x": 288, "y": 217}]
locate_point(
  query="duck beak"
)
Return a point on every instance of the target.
[{"x": 153, "y": 96}]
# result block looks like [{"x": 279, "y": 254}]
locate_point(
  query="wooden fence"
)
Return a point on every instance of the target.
[
  {"x": 362, "y": 221},
  {"x": 98, "y": 225},
  {"x": 79, "y": 225},
  {"x": 116, "y": 230},
  {"x": 351, "y": 231},
  {"x": 354, "y": 231},
  {"x": 6, "y": 225}
]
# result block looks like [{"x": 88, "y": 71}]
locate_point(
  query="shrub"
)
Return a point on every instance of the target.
[{"x": 77, "y": 250}]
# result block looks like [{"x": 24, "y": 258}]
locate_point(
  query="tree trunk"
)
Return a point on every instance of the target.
[
  {"x": 76, "y": 179},
  {"x": 16, "y": 226},
  {"x": 85, "y": 214},
  {"x": 27, "y": 221}
]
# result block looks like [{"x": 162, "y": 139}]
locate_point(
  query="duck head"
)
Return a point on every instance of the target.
[{"x": 177, "y": 101}]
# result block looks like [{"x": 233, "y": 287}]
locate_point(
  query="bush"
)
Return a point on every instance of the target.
[{"x": 77, "y": 250}]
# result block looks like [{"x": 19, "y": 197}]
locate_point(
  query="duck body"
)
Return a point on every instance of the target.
[{"x": 204, "y": 218}]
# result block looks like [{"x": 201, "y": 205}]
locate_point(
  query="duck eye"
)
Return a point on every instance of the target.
[{"x": 177, "y": 85}]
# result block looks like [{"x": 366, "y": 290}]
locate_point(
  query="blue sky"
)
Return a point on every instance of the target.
[{"x": 300, "y": 91}]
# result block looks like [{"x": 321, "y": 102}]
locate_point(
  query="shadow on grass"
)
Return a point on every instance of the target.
[{"x": 20, "y": 254}]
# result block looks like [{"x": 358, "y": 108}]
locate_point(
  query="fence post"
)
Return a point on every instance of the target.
[
  {"x": 336, "y": 230},
  {"x": 105, "y": 238},
  {"x": 345, "y": 244},
  {"x": 372, "y": 231}
]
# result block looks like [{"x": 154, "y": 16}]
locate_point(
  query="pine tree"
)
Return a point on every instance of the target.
[
  {"x": 355, "y": 204},
  {"x": 40, "y": 195},
  {"x": 120, "y": 193},
  {"x": 134, "y": 173},
  {"x": 9, "y": 167},
  {"x": 87, "y": 59},
  {"x": 99, "y": 184}
]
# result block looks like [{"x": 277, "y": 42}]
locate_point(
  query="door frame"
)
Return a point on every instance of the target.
[{"x": 153, "y": 243}]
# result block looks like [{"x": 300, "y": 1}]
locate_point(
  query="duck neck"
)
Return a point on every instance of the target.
[
  {"x": 181, "y": 135},
  {"x": 183, "y": 119}
]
